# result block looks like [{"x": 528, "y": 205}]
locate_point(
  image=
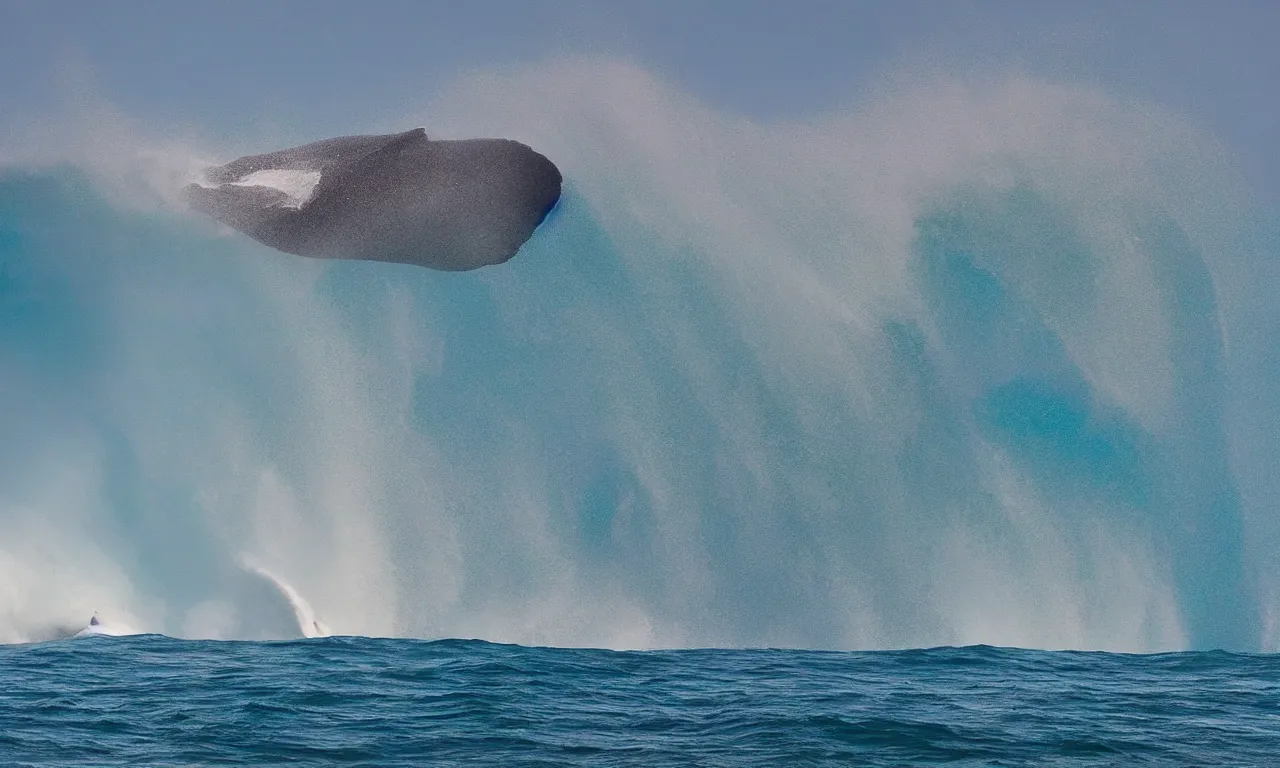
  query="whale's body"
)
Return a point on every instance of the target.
[{"x": 449, "y": 205}]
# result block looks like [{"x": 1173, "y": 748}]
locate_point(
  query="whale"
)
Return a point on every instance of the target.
[{"x": 447, "y": 204}]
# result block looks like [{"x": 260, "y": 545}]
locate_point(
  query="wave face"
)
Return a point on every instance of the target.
[{"x": 981, "y": 363}]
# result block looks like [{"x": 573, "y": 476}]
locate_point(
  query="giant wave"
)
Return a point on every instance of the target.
[{"x": 983, "y": 362}]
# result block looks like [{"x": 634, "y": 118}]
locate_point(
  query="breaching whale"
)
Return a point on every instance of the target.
[{"x": 445, "y": 204}]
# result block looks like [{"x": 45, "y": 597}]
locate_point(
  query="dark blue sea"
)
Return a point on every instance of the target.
[{"x": 155, "y": 701}]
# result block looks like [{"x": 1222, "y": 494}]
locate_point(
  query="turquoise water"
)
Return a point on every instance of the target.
[
  {"x": 155, "y": 701},
  {"x": 622, "y": 440}
]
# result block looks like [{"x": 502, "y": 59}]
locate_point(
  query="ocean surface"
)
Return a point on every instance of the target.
[{"x": 156, "y": 701}]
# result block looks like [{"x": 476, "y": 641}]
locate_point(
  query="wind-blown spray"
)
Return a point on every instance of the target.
[{"x": 980, "y": 362}]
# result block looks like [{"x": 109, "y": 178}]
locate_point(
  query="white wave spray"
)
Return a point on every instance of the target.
[
  {"x": 981, "y": 362},
  {"x": 309, "y": 625}
]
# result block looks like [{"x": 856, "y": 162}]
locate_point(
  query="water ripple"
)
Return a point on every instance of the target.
[{"x": 349, "y": 701}]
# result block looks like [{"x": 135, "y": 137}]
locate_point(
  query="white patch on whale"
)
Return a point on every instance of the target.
[{"x": 299, "y": 186}]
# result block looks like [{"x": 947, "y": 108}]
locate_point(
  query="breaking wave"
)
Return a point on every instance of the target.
[{"x": 983, "y": 362}]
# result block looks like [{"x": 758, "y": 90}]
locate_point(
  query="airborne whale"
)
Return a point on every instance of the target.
[{"x": 445, "y": 204}]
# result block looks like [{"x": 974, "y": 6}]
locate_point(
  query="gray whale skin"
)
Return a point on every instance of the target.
[{"x": 448, "y": 205}]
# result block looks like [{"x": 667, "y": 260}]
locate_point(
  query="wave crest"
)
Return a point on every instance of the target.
[{"x": 978, "y": 363}]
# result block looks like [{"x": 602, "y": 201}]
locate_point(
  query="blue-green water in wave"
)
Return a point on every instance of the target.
[
  {"x": 739, "y": 391},
  {"x": 151, "y": 700},
  {"x": 624, "y": 440}
]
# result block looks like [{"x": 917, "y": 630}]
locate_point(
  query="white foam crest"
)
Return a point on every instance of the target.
[
  {"x": 53, "y": 576},
  {"x": 803, "y": 235},
  {"x": 97, "y": 626}
]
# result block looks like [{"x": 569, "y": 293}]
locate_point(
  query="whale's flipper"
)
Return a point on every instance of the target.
[
  {"x": 448, "y": 205},
  {"x": 93, "y": 620}
]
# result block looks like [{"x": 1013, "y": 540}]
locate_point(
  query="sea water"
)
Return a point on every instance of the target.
[{"x": 155, "y": 701}]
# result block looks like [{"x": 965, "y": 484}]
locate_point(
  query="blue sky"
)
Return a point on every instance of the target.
[{"x": 326, "y": 66}]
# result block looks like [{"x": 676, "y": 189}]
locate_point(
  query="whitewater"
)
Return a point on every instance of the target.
[{"x": 983, "y": 361}]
